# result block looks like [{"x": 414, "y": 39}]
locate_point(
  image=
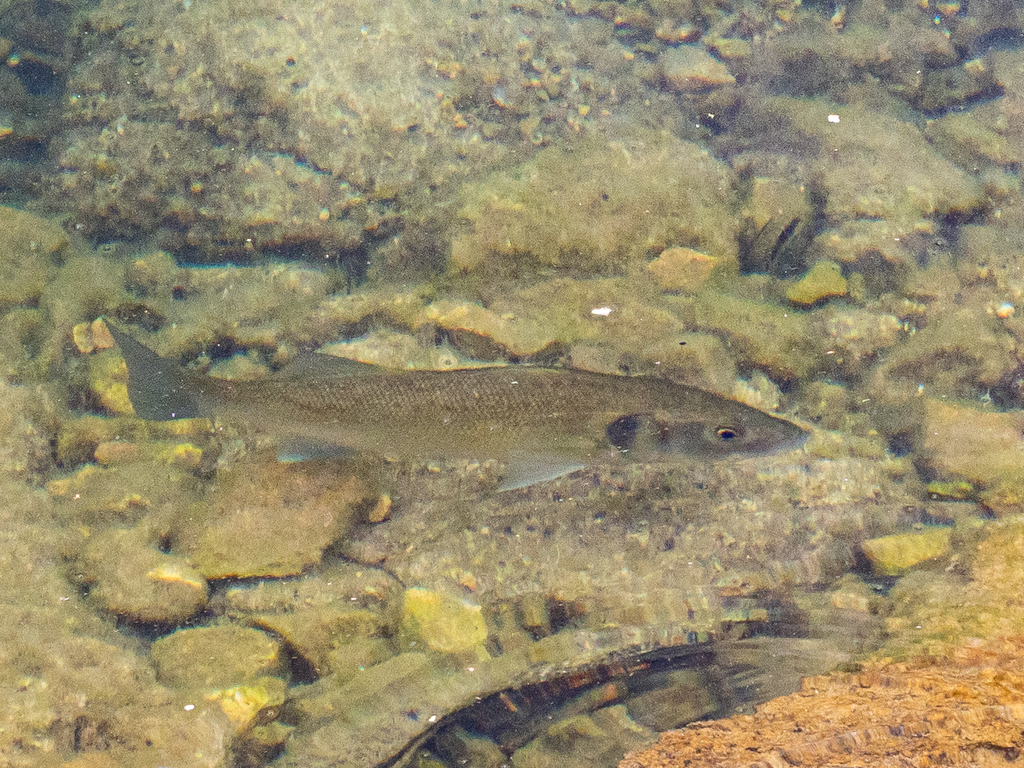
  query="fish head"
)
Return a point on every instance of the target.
[{"x": 742, "y": 431}]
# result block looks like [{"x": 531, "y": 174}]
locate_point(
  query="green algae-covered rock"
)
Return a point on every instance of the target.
[
  {"x": 892, "y": 555},
  {"x": 442, "y": 622},
  {"x": 215, "y": 657},
  {"x": 132, "y": 579},
  {"x": 823, "y": 281},
  {"x": 30, "y": 247}
]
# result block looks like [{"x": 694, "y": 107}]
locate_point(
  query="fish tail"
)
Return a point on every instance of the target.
[{"x": 159, "y": 389}]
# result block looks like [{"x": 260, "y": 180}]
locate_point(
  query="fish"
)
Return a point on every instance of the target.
[{"x": 540, "y": 422}]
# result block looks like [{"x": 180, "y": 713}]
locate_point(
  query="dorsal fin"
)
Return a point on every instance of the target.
[{"x": 316, "y": 364}]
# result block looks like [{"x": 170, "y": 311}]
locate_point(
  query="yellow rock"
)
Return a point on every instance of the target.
[
  {"x": 243, "y": 703},
  {"x": 892, "y": 555},
  {"x": 824, "y": 281},
  {"x": 444, "y": 623},
  {"x": 108, "y": 379},
  {"x": 682, "y": 269},
  {"x": 92, "y": 336}
]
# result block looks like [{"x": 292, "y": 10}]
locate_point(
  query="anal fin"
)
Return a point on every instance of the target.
[{"x": 524, "y": 471}]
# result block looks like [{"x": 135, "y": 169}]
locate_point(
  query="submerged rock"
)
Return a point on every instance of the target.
[
  {"x": 272, "y": 521},
  {"x": 29, "y": 256},
  {"x": 892, "y": 555},
  {"x": 530, "y": 218},
  {"x": 871, "y": 166},
  {"x": 983, "y": 448},
  {"x": 442, "y": 622},
  {"x": 691, "y": 69},
  {"x": 682, "y": 269},
  {"x": 132, "y": 579},
  {"x": 215, "y": 657},
  {"x": 823, "y": 281}
]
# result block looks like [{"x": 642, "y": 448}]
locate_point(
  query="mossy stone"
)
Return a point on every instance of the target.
[
  {"x": 444, "y": 623},
  {"x": 892, "y": 555},
  {"x": 822, "y": 281},
  {"x": 215, "y": 657}
]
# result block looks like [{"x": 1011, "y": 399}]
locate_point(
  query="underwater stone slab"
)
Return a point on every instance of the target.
[
  {"x": 871, "y": 166},
  {"x": 529, "y": 217},
  {"x": 777, "y": 340}
]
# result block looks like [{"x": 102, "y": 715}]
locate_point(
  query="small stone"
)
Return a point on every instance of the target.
[
  {"x": 691, "y": 69},
  {"x": 823, "y": 281},
  {"x": 444, "y": 623},
  {"x": 682, "y": 269},
  {"x": 215, "y": 657},
  {"x": 892, "y": 555},
  {"x": 90, "y": 337}
]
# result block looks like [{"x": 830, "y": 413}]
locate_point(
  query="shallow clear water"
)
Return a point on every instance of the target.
[{"x": 810, "y": 209}]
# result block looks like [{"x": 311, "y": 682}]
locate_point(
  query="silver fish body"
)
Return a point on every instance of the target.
[{"x": 541, "y": 422}]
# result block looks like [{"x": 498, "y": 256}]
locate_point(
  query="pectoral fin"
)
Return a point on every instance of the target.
[{"x": 524, "y": 471}]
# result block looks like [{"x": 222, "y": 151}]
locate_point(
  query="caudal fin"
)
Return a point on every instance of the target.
[{"x": 159, "y": 389}]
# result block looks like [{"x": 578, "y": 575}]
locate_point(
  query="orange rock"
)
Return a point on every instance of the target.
[{"x": 963, "y": 709}]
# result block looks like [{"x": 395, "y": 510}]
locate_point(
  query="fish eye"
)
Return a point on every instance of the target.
[{"x": 727, "y": 433}]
